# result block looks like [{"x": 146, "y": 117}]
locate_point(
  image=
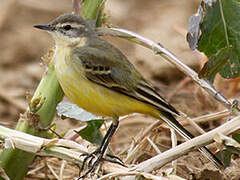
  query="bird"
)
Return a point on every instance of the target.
[{"x": 99, "y": 78}]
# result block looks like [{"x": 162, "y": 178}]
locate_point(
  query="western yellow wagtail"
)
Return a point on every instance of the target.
[{"x": 99, "y": 78}]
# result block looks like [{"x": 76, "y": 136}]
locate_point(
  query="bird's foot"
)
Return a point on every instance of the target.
[
  {"x": 98, "y": 157},
  {"x": 92, "y": 160},
  {"x": 91, "y": 164}
]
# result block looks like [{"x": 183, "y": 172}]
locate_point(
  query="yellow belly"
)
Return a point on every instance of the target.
[{"x": 92, "y": 97}]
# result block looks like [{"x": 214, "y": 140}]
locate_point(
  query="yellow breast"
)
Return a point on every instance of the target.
[{"x": 92, "y": 97}]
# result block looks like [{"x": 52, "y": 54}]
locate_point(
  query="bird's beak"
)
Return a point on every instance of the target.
[{"x": 45, "y": 27}]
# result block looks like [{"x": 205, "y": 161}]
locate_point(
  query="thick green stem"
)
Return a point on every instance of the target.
[
  {"x": 41, "y": 110},
  {"x": 47, "y": 96},
  {"x": 40, "y": 113}
]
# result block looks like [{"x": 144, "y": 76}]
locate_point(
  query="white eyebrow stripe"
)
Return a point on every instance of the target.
[{"x": 74, "y": 25}]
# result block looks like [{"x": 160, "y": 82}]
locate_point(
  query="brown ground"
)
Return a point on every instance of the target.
[{"x": 164, "y": 21}]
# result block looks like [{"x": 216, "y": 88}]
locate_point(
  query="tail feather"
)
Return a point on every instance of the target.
[{"x": 173, "y": 123}]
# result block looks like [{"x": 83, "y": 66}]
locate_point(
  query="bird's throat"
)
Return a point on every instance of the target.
[{"x": 71, "y": 42}]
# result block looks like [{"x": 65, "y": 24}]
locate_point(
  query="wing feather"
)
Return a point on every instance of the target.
[{"x": 101, "y": 69}]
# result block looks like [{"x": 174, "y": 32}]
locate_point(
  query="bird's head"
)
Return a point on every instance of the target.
[{"x": 68, "y": 29}]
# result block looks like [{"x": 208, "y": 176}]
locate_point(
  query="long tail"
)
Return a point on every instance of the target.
[{"x": 173, "y": 123}]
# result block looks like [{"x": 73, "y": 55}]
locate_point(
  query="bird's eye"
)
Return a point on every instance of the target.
[{"x": 67, "y": 27}]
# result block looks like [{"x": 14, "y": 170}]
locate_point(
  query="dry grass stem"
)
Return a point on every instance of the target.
[
  {"x": 137, "y": 121},
  {"x": 3, "y": 174},
  {"x": 52, "y": 171},
  {"x": 33, "y": 171},
  {"x": 192, "y": 123},
  {"x": 119, "y": 171},
  {"x": 163, "y": 158},
  {"x": 133, "y": 149},
  {"x": 200, "y": 119},
  {"x": 135, "y": 152},
  {"x": 63, "y": 164},
  {"x": 140, "y": 138},
  {"x": 148, "y": 131},
  {"x": 174, "y": 144},
  {"x": 154, "y": 146},
  {"x": 42, "y": 146},
  {"x": 212, "y": 116}
]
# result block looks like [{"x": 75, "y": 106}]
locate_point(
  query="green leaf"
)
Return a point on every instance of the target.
[
  {"x": 91, "y": 133},
  {"x": 215, "y": 64},
  {"x": 231, "y": 147},
  {"x": 220, "y": 30},
  {"x": 92, "y": 9},
  {"x": 225, "y": 157},
  {"x": 226, "y": 154},
  {"x": 236, "y": 137}
]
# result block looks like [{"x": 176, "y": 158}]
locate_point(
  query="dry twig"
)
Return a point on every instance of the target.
[{"x": 159, "y": 160}]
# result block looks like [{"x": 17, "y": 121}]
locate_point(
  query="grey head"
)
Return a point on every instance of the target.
[{"x": 68, "y": 26}]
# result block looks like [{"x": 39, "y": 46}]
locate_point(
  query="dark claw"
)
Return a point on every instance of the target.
[
  {"x": 82, "y": 167},
  {"x": 84, "y": 155},
  {"x": 115, "y": 157},
  {"x": 90, "y": 161},
  {"x": 91, "y": 156},
  {"x": 95, "y": 164},
  {"x": 115, "y": 162}
]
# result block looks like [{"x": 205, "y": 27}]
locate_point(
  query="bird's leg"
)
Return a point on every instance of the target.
[
  {"x": 102, "y": 143},
  {"x": 100, "y": 151},
  {"x": 92, "y": 155}
]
